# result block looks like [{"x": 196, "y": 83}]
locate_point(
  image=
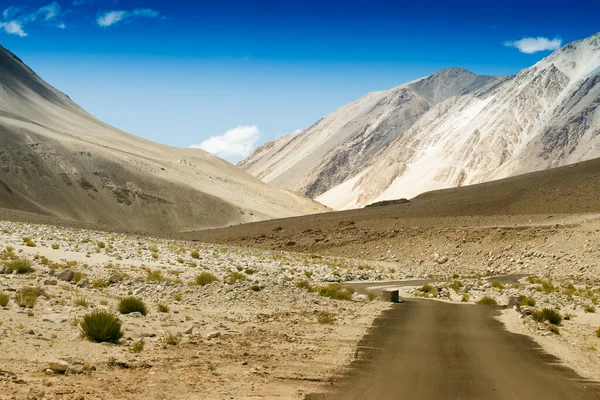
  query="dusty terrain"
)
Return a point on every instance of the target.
[{"x": 254, "y": 333}]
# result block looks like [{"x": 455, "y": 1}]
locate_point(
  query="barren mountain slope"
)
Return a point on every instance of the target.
[
  {"x": 57, "y": 160},
  {"x": 546, "y": 116},
  {"x": 343, "y": 143}
]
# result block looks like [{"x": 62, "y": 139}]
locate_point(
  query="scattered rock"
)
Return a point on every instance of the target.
[
  {"x": 213, "y": 335},
  {"x": 67, "y": 275},
  {"x": 50, "y": 282}
]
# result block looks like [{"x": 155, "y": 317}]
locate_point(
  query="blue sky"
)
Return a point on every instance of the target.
[{"x": 181, "y": 72}]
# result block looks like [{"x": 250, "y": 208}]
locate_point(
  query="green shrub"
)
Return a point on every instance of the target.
[
  {"x": 4, "y": 298},
  {"x": 303, "y": 285},
  {"x": 155, "y": 276},
  {"x": 180, "y": 260},
  {"x": 99, "y": 283},
  {"x": 101, "y": 326},
  {"x": 155, "y": 255},
  {"x": 497, "y": 284},
  {"x": 55, "y": 246},
  {"x": 597, "y": 332},
  {"x": 325, "y": 318},
  {"x": 256, "y": 288},
  {"x": 162, "y": 307},
  {"x": 206, "y": 278},
  {"x": 547, "y": 314},
  {"x": 371, "y": 296},
  {"x": 138, "y": 346},
  {"x": 487, "y": 301},
  {"x": 336, "y": 291},
  {"x": 21, "y": 265},
  {"x": 526, "y": 301},
  {"x": 428, "y": 289},
  {"x": 456, "y": 285},
  {"x": 249, "y": 271},
  {"x": 195, "y": 254},
  {"x": 82, "y": 302},
  {"x": 465, "y": 297},
  {"x": 235, "y": 276},
  {"x": 26, "y": 297},
  {"x": 172, "y": 339},
  {"x": 589, "y": 309},
  {"x": 554, "y": 329},
  {"x": 130, "y": 305},
  {"x": 101, "y": 245}
]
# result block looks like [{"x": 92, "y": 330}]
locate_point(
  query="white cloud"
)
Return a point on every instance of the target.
[
  {"x": 235, "y": 143},
  {"x": 11, "y": 11},
  {"x": 109, "y": 18},
  {"x": 15, "y": 18},
  {"x": 530, "y": 45},
  {"x": 13, "y": 28},
  {"x": 51, "y": 11}
]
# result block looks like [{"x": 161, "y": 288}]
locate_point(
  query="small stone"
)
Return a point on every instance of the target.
[
  {"x": 67, "y": 275},
  {"x": 115, "y": 278},
  {"x": 58, "y": 366},
  {"x": 50, "y": 282},
  {"x": 189, "y": 330},
  {"x": 55, "y": 318},
  {"x": 213, "y": 335},
  {"x": 135, "y": 314},
  {"x": 83, "y": 283},
  {"x": 442, "y": 260},
  {"x": 74, "y": 369}
]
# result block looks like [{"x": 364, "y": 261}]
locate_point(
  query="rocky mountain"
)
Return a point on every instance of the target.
[
  {"x": 343, "y": 143},
  {"x": 58, "y": 161},
  {"x": 543, "y": 117}
]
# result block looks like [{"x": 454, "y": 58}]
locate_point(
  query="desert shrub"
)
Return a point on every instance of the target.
[
  {"x": 55, "y": 246},
  {"x": 234, "y": 276},
  {"x": 20, "y": 265},
  {"x": 195, "y": 254},
  {"x": 256, "y": 288},
  {"x": 28, "y": 242},
  {"x": 303, "y": 285},
  {"x": 325, "y": 318},
  {"x": 308, "y": 274},
  {"x": 101, "y": 245},
  {"x": 526, "y": 301},
  {"x": 130, "y": 305},
  {"x": 180, "y": 260},
  {"x": 465, "y": 297},
  {"x": 546, "y": 286},
  {"x": 336, "y": 291},
  {"x": 568, "y": 316},
  {"x": 99, "y": 283},
  {"x": 589, "y": 309},
  {"x": 4, "y": 298},
  {"x": 26, "y": 297},
  {"x": 172, "y": 339},
  {"x": 138, "y": 346},
  {"x": 554, "y": 329},
  {"x": 155, "y": 276},
  {"x": 456, "y": 285},
  {"x": 487, "y": 301},
  {"x": 428, "y": 289},
  {"x": 155, "y": 255},
  {"x": 206, "y": 278},
  {"x": 249, "y": 271},
  {"x": 101, "y": 326},
  {"x": 82, "y": 302},
  {"x": 162, "y": 307},
  {"x": 597, "y": 332},
  {"x": 497, "y": 284},
  {"x": 78, "y": 276},
  {"x": 178, "y": 297},
  {"x": 371, "y": 296},
  {"x": 547, "y": 314}
]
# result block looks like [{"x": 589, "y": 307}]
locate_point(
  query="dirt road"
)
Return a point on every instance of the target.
[{"x": 424, "y": 349}]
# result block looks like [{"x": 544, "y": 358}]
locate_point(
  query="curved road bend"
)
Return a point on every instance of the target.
[{"x": 423, "y": 349}]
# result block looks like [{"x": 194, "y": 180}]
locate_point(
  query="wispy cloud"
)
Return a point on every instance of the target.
[
  {"x": 16, "y": 18},
  {"x": 110, "y": 18},
  {"x": 530, "y": 45},
  {"x": 13, "y": 28},
  {"x": 235, "y": 143}
]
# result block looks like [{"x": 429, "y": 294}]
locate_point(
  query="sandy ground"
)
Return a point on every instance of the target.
[{"x": 259, "y": 337}]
